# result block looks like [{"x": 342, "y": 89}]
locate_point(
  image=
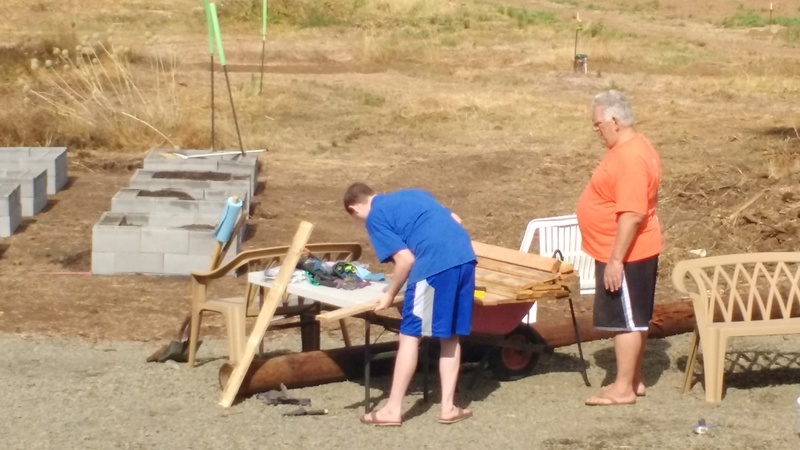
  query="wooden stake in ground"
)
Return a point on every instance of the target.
[
  {"x": 578, "y": 29},
  {"x": 221, "y": 50},
  {"x": 267, "y": 312},
  {"x": 263, "y": 44},
  {"x": 770, "y": 14},
  {"x": 211, "y": 66}
]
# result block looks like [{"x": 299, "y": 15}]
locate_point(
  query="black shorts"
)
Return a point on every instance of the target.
[{"x": 631, "y": 307}]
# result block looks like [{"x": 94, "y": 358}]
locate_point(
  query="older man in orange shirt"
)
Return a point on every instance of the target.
[{"x": 620, "y": 229}]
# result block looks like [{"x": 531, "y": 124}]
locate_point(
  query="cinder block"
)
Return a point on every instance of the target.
[
  {"x": 33, "y": 188},
  {"x": 51, "y": 159},
  {"x": 145, "y": 179},
  {"x": 164, "y": 240},
  {"x": 103, "y": 263},
  {"x": 185, "y": 221},
  {"x": 202, "y": 242},
  {"x": 114, "y": 233},
  {"x": 147, "y": 263},
  {"x": 246, "y": 166},
  {"x": 158, "y": 156},
  {"x": 182, "y": 264},
  {"x": 140, "y": 243},
  {"x": 10, "y": 209},
  {"x": 129, "y": 200}
]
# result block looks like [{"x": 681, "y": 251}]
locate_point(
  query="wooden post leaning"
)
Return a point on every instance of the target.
[{"x": 267, "y": 311}]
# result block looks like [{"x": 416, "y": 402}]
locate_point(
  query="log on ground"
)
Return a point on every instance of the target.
[
  {"x": 298, "y": 370},
  {"x": 668, "y": 319}
]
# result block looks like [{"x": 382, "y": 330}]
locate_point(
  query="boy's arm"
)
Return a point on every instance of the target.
[{"x": 403, "y": 260}]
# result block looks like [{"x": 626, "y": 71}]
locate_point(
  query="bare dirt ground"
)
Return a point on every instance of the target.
[{"x": 473, "y": 101}]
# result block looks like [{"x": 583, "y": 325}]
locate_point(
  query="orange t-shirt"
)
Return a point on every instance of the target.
[{"x": 626, "y": 180}]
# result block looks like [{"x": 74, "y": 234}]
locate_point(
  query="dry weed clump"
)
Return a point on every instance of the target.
[{"x": 92, "y": 95}]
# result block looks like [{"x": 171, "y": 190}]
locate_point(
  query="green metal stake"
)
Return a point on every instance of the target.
[
  {"x": 221, "y": 51},
  {"x": 210, "y": 23},
  {"x": 263, "y": 44}
]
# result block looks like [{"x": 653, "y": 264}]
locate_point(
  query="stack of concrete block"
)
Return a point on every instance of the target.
[
  {"x": 33, "y": 188},
  {"x": 27, "y": 176},
  {"x": 10, "y": 209},
  {"x": 182, "y": 180},
  {"x": 156, "y": 243},
  {"x": 51, "y": 159},
  {"x": 163, "y": 222},
  {"x": 189, "y": 201},
  {"x": 164, "y": 161}
]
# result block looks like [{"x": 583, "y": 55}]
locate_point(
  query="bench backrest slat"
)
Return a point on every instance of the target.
[{"x": 742, "y": 287}]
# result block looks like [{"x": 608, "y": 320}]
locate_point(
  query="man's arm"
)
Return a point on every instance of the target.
[
  {"x": 627, "y": 225},
  {"x": 403, "y": 260}
]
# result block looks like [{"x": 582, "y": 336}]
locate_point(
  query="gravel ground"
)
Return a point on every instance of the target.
[{"x": 70, "y": 393}]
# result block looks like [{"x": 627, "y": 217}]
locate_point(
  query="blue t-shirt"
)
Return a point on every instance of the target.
[{"x": 412, "y": 219}]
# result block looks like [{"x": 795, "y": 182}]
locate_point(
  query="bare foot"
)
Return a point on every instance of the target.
[
  {"x": 604, "y": 399},
  {"x": 611, "y": 395},
  {"x": 382, "y": 417},
  {"x": 454, "y": 414}
]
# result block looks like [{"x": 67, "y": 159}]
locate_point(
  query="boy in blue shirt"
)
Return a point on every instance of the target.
[{"x": 433, "y": 253}]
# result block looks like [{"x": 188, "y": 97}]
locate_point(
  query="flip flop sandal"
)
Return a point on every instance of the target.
[
  {"x": 373, "y": 420},
  {"x": 599, "y": 400},
  {"x": 462, "y": 415}
]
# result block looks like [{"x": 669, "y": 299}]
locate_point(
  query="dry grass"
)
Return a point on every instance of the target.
[{"x": 98, "y": 95}]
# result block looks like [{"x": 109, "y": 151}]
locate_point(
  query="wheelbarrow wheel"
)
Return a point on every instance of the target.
[{"x": 509, "y": 364}]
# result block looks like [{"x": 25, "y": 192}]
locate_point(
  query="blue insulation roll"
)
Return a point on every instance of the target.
[{"x": 228, "y": 220}]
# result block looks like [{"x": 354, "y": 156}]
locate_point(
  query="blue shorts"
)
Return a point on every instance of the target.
[{"x": 440, "y": 305}]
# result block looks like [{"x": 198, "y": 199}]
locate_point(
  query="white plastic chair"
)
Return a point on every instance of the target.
[
  {"x": 560, "y": 237},
  {"x": 560, "y": 234}
]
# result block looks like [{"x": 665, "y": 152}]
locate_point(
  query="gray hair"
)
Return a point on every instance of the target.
[{"x": 614, "y": 104}]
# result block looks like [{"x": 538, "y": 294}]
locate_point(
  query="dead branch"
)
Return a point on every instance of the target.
[
  {"x": 752, "y": 219},
  {"x": 746, "y": 205}
]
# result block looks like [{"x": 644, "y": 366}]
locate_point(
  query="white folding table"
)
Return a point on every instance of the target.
[{"x": 339, "y": 298}]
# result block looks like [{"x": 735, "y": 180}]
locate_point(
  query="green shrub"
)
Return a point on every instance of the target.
[
  {"x": 744, "y": 19},
  {"x": 527, "y": 17}
]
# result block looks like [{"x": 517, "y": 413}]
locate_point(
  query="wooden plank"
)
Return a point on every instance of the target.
[
  {"x": 501, "y": 300},
  {"x": 489, "y": 299},
  {"x": 267, "y": 312},
  {"x": 500, "y": 289},
  {"x": 500, "y": 277},
  {"x": 350, "y": 311},
  {"x": 512, "y": 269},
  {"x": 549, "y": 265}
]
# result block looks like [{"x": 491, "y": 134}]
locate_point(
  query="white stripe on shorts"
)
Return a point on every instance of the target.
[
  {"x": 626, "y": 304},
  {"x": 423, "y": 306}
]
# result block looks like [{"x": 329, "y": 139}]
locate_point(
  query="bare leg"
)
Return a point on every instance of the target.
[
  {"x": 638, "y": 383},
  {"x": 628, "y": 347},
  {"x": 404, "y": 367},
  {"x": 449, "y": 365}
]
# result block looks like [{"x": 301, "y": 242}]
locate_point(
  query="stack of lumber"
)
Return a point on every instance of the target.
[{"x": 512, "y": 276}]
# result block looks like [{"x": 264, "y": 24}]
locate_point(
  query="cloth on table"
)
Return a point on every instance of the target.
[
  {"x": 337, "y": 274},
  {"x": 272, "y": 273},
  {"x": 362, "y": 270}
]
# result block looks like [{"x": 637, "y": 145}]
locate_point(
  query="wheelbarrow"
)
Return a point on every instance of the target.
[{"x": 511, "y": 349}]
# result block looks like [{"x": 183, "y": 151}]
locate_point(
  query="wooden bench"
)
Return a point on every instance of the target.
[{"x": 756, "y": 294}]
